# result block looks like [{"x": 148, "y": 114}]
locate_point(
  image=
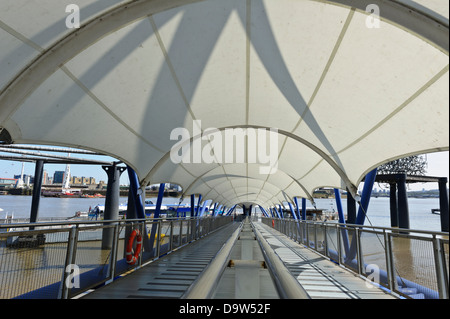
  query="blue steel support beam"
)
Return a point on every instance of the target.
[
  {"x": 192, "y": 205},
  {"x": 276, "y": 212},
  {"x": 303, "y": 208},
  {"x": 218, "y": 210},
  {"x": 268, "y": 213},
  {"x": 337, "y": 195},
  {"x": 137, "y": 203},
  {"x": 297, "y": 208},
  {"x": 262, "y": 210},
  {"x": 159, "y": 200},
  {"x": 231, "y": 210},
  {"x": 365, "y": 196},
  {"x": 202, "y": 211},
  {"x": 157, "y": 212},
  {"x": 198, "y": 205},
  {"x": 443, "y": 203},
  {"x": 281, "y": 211},
  {"x": 297, "y": 218},
  {"x": 134, "y": 187},
  {"x": 363, "y": 205},
  {"x": 351, "y": 208},
  {"x": 292, "y": 211}
]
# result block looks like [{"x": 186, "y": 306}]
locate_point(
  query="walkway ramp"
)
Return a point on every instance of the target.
[
  {"x": 169, "y": 276},
  {"x": 321, "y": 278},
  {"x": 175, "y": 275}
]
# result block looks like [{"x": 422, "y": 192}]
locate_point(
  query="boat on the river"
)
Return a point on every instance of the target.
[{"x": 150, "y": 207}]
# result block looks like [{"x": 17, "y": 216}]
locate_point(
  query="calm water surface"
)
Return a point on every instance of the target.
[{"x": 378, "y": 211}]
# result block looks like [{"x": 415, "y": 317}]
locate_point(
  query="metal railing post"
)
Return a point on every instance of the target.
[
  {"x": 171, "y": 236},
  {"x": 70, "y": 259},
  {"x": 392, "y": 282},
  {"x": 339, "y": 248},
  {"x": 114, "y": 248},
  {"x": 158, "y": 239},
  {"x": 142, "y": 229},
  {"x": 180, "y": 238},
  {"x": 359, "y": 263},
  {"x": 316, "y": 247},
  {"x": 441, "y": 273}
]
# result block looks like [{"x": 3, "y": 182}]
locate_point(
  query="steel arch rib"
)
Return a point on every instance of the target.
[{"x": 352, "y": 188}]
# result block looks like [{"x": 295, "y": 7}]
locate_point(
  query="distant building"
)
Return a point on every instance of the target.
[
  {"x": 82, "y": 180},
  {"x": 27, "y": 179},
  {"x": 45, "y": 178},
  {"x": 58, "y": 177},
  {"x": 7, "y": 182}
]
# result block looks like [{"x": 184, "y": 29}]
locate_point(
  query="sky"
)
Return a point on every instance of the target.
[{"x": 438, "y": 165}]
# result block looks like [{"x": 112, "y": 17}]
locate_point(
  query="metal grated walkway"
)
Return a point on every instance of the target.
[
  {"x": 321, "y": 278},
  {"x": 170, "y": 276}
]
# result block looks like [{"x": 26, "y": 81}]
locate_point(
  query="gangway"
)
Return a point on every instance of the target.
[{"x": 247, "y": 260}]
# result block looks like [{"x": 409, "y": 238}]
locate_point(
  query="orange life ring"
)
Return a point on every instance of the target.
[
  {"x": 273, "y": 223},
  {"x": 132, "y": 256}
]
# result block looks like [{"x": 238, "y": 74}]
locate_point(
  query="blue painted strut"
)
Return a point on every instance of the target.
[
  {"x": 297, "y": 208},
  {"x": 281, "y": 211},
  {"x": 197, "y": 211},
  {"x": 276, "y": 212},
  {"x": 337, "y": 195},
  {"x": 157, "y": 212},
  {"x": 303, "y": 208},
  {"x": 202, "y": 211},
  {"x": 292, "y": 210},
  {"x": 231, "y": 210},
  {"x": 363, "y": 205},
  {"x": 264, "y": 211},
  {"x": 365, "y": 197},
  {"x": 192, "y": 205},
  {"x": 136, "y": 199},
  {"x": 218, "y": 210}
]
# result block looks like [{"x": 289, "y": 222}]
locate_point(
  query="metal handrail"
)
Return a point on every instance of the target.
[
  {"x": 75, "y": 222},
  {"x": 286, "y": 286},
  {"x": 204, "y": 286},
  {"x": 438, "y": 239},
  {"x": 195, "y": 228}
]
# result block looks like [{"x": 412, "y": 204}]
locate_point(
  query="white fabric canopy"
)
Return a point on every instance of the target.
[{"x": 342, "y": 92}]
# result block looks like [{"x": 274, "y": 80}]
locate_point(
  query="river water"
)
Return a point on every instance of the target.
[{"x": 378, "y": 214}]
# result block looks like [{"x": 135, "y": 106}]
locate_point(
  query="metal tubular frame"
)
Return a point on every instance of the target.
[
  {"x": 286, "y": 286},
  {"x": 204, "y": 286}
]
